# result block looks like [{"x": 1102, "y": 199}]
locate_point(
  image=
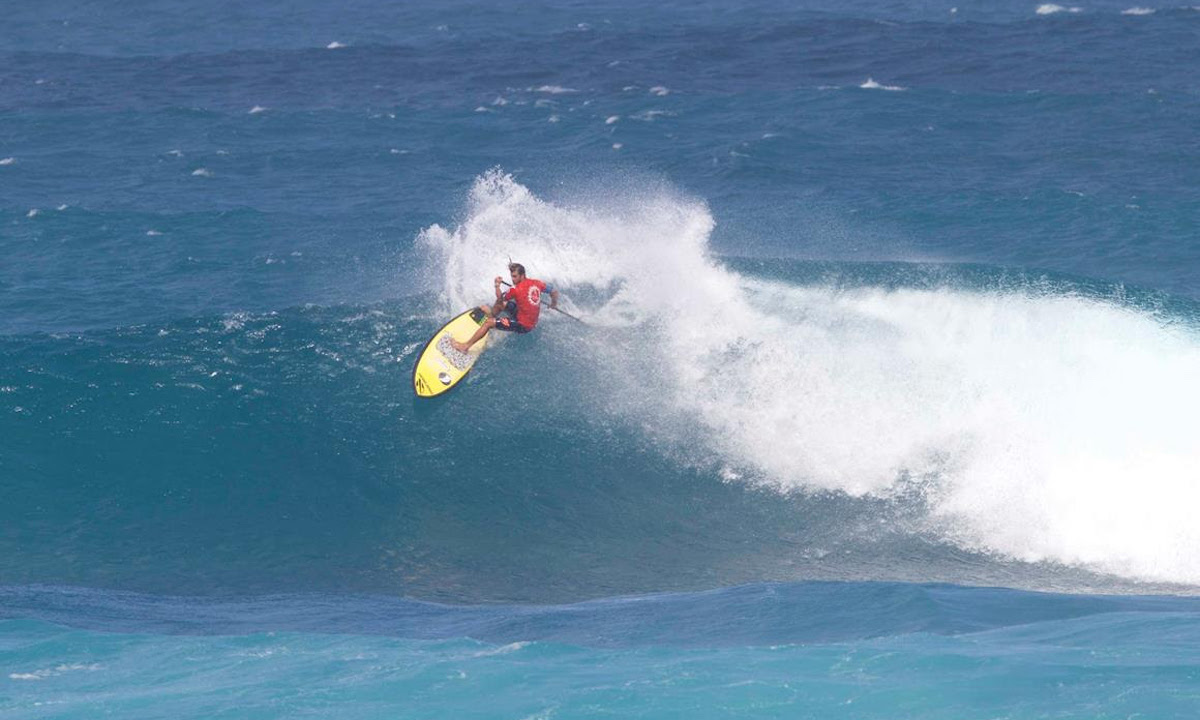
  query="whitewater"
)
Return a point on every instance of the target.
[{"x": 1033, "y": 419}]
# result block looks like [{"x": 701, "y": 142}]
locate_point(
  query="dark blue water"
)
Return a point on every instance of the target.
[{"x": 885, "y": 403}]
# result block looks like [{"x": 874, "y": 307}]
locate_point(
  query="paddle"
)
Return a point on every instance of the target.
[{"x": 564, "y": 312}]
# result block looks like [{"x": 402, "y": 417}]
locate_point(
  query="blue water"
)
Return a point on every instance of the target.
[{"x": 884, "y": 407}]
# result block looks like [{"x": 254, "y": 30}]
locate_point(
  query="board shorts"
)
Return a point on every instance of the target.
[{"x": 507, "y": 320}]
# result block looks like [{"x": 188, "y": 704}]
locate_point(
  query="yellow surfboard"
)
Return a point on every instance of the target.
[{"x": 439, "y": 366}]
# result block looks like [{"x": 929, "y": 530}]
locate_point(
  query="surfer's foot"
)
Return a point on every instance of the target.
[{"x": 459, "y": 346}]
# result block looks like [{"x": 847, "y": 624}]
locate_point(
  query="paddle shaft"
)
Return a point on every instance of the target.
[{"x": 564, "y": 312}]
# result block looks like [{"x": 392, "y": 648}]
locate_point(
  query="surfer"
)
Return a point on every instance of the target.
[{"x": 514, "y": 311}]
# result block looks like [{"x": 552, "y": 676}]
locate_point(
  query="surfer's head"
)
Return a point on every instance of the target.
[{"x": 517, "y": 270}]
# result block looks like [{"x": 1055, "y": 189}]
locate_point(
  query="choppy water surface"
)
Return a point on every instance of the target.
[{"x": 885, "y": 403}]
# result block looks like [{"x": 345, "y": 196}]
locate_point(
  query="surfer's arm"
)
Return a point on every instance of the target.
[
  {"x": 499, "y": 295},
  {"x": 553, "y": 297}
]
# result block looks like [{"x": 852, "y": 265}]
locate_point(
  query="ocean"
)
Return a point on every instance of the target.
[{"x": 884, "y": 403}]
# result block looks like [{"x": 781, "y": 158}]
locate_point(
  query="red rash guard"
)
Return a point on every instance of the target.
[{"x": 527, "y": 293}]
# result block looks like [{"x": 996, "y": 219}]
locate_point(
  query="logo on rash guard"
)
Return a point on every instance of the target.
[{"x": 535, "y": 295}]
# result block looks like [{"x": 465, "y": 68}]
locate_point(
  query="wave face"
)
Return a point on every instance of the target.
[{"x": 798, "y": 420}]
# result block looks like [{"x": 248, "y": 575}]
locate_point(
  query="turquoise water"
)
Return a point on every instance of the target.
[
  {"x": 808, "y": 650},
  {"x": 885, "y": 404}
]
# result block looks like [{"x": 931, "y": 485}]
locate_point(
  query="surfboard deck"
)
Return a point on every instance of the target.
[{"x": 439, "y": 366}]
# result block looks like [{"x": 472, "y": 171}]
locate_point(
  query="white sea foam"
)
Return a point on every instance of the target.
[
  {"x": 502, "y": 649},
  {"x": 1052, "y": 9},
  {"x": 612, "y": 119},
  {"x": 650, "y": 115},
  {"x": 1138, "y": 11},
  {"x": 872, "y": 85},
  {"x": 554, "y": 89},
  {"x": 335, "y": 45},
  {"x": 1041, "y": 425},
  {"x": 257, "y": 109},
  {"x": 202, "y": 172},
  {"x": 660, "y": 91},
  {"x": 7, "y": 161},
  {"x": 55, "y": 671}
]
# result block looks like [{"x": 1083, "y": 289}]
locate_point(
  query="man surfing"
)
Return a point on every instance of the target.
[{"x": 516, "y": 310}]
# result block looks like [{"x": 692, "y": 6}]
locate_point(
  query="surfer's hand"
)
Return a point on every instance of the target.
[{"x": 499, "y": 280}]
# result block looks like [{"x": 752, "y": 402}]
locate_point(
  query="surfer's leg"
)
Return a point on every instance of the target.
[
  {"x": 483, "y": 330},
  {"x": 501, "y": 305}
]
